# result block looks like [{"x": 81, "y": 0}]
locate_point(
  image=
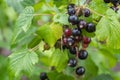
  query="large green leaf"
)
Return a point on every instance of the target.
[
  {"x": 103, "y": 77},
  {"x": 56, "y": 58},
  {"x": 61, "y": 18},
  {"x": 59, "y": 2},
  {"x": 99, "y": 7},
  {"x": 23, "y": 60},
  {"x": 35, "y": 41},
  {"x": 23, "y": 24},
  {"x": 53, "y": 75},
  {"x": 91, "y": 68},
  {"x": 27, "y": 2},
  {"x": 50, "y": 33},
  {"x": 108, "y": 30},
  {"x": 59, "y": 59}
]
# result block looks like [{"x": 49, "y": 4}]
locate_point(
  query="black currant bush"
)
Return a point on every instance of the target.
[{"x": 59, "y": 39}]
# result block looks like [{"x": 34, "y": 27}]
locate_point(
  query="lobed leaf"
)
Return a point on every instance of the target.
[
  {"x": 23, "y": 60},
  {"x": 108, "y": 30},
  {"x": 23, "y": 24}
]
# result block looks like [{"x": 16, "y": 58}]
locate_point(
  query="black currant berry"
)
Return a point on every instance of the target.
[
  {"x": 71, "y": 11},
  {"x": 71, "y": 6},
  {"x": 83, "y": 54},
  {"x": 68, "y": 32},
  {"x": 82, "y": 24},
  {"x": 107, "y": 1},
  {"x": 86, "y": 40},
  {"x": 86, "y": 12},
  {"x": 90, "y": 27},
  {"x": 114, "y": 8},
  {"x": 72, "y": 50},
  {"x": 43, "y": 76},
  {"x": 76, "y": 32},
  {"x": 72, "y": 62},
  {"x": 80, "y": 71},
  {"x": 70, "y": 41},
  {"x": 114, "y": 1},
  {"x": 73, "y": 19}
]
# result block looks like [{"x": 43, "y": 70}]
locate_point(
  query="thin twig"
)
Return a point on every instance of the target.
[{"x": 61, "y": 43}]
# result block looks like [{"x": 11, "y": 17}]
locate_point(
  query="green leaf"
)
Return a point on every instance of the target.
[
  {"x": 91, "y": 68},
  {"x": 84, "y": 32},
  {"x": 50, "y": 33},
  {"x": 23, "y": 60},
  {"x": 35, "y": 41},
  {"x": 53, "y": 75},
  {"x": 57, "y": 30},
  {"x": 59, "y": 2},
  {"x": 108, "y": 56},
  {"x": 27, "y": 2},
  {"x": 61, "y": 18},
  {"x": 56, "y": 58},
  {"x": 15, "y": 4},
  {"x": 103, "y": 77},
  {"x": 23, "y": 23},
  {"x": 98, "y": 6},
  {"x": 108, "y": 29},
  {"x": 3, "y": 68},
  {"x": 59, "y": 59}
]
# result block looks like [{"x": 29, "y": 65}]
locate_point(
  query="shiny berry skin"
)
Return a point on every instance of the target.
[
  {"x": 76, "y": 32},
  {"x": 70, "y": 41},
  {"x": 107, "y": 1},
  {"x": 83, "y": 54},
  {"x": 73, "y": 19},
  {"x": 70, "y": 6},
  {"x": 90, "y": 27},
  {"x": 43, "y": 76},
  {"x": 71, "y": 11},
  {"x": 86, "y": 40},
  {"x": 80, "y": 71},
  {"x": 72, "y": 50},
  {"x": 86, "y": 12},
  {"x": 72, "y": 62},
  {"x": 68, "y": 32},
  {"x": 82, "y": 24}
]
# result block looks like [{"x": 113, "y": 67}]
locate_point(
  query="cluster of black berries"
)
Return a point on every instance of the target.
[
  {"x": 73, "y": 37},
  {"x": 115, "y": 4}
]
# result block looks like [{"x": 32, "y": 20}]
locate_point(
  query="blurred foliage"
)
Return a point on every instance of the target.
[{"x": 25, "y": 23}]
